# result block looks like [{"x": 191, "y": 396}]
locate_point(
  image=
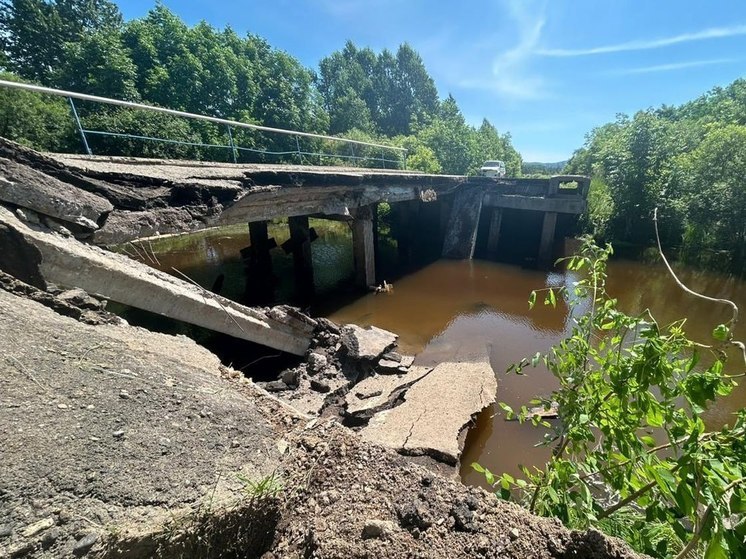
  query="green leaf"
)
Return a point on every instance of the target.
[
  {"x": 532, "y": 300},
  {"x": 477, "y": 467},
  {"x": 550, "y": 299},
  {"x": 737, "y": 503},
  {"x": 721, "y": 332},
  {"x": 715, "y": 549}
]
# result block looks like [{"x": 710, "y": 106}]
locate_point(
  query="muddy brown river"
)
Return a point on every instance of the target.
[{"x": 447, "y": 304}]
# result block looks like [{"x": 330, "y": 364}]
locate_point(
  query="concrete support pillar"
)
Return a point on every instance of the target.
[
  {"x": 300, "y": 245},
  {"x": 260, "y": 280},
  {"x": 363, "y": 247},
  {"x": 405, "y": 216},
  {"x": 493, "y": 238},
  {"x": 461, "y": 235},
  {"x": 546, "y": 246}
]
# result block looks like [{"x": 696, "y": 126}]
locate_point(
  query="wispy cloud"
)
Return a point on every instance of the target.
[
  {"x": 511, "y": 76},
  {"x": 647, "y": 44},
  {"x": 668, "y": 67}
]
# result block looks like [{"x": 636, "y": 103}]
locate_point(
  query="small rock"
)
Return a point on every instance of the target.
[
  {"x": 275, "y": 386},
  {"x": 413, "y": 516},
  {"x": 37, "y": 527},
  {"x": 118, "y": 434},
  {"x": 378, "y": 529},
  {"x": 50, "y": 536},
  {"x": 463, "y": 518},
  {"x": 291, "y": 377},
  {"x": 21, "y": 215},
  {"x": 472, "y": 502},
  {"x": 124, "y": 395},
  {"x": 317, "y": 362},
  {"x": 514, "y": 534},
  {"x": 369, "y": 393},
  {"x": 62, "y": 406},
  {"x": 282, "y": 446},
  {"x": 387, "y": 366},
  {"x": 84, "y": 544},
  {"x": 320, "y": 386},
  {"x": 427, "y": 480},
  {"x": 5, "y": 530},
  {"x": 392, "y": 356},
  {"x": 235, "y": 443}
]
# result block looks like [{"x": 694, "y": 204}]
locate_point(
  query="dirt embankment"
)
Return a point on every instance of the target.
[{"x": 118, "y": 442}]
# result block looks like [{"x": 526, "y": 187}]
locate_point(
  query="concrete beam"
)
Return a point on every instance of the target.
[
  {"x": 559, "y": 204},
  {"x": 69, "y": 263},
  {"x": 363, "y": 248}
]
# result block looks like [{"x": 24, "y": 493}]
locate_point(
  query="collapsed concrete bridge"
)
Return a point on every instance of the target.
[{"x": 111, "y": 200}]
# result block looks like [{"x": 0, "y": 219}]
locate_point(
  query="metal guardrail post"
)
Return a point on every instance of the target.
[
  {"x": 233, "y": 146},
  {"x": 383, "y": 160},
  {"x": 297, "y": 148},
  {"x": 80, "y": 127}
]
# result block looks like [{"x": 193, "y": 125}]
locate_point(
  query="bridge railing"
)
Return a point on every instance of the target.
[{"x": 368, "y": 153}]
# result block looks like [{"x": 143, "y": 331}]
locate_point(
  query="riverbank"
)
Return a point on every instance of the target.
[{"x": 123, "y": 442}]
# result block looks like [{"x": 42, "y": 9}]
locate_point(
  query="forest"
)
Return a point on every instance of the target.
[
  {"x": 86, "y": 46},
  {"x": 689, "y": 162}
]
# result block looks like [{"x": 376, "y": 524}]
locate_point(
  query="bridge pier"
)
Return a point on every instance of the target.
[
  {"x": 461, "y": 234},
  {"x": 300, "y": 246},
  {"x": 405, "y": 215},
  {"x": 364, "y": 246},
  {"x": 546, "y": 245},
  {"x": 260, "y": 280},
  {"x": 493, "y": 237}
]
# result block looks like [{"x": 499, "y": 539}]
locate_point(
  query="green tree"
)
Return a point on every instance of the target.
[
  {"x": 39, "y": 121},
  {"x": 100, "y": 65},
  {"x": 33, "y": 33}
]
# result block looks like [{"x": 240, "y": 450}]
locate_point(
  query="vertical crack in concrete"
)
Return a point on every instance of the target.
[{"x": 411, "y": 429}]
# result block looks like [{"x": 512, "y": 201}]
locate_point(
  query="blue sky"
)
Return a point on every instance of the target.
[{"x": 545, "y": 71}]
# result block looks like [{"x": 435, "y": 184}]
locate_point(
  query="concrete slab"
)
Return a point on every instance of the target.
[
  {"x": 375, "y": 393},
  {"x": 435, "y": 411},
  {"x": 28, "y": 188}
]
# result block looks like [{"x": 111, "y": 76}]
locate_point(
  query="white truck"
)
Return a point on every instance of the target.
[{"x": 495, "y": 169}]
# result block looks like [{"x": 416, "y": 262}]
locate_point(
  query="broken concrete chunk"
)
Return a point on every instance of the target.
[
  {"x": 317, "y": 362},
  {"x": 80, "y": 298},
  {"x": 392, "y": 356},
  {"x": 386, "y": 366},
  {"x": 33, "y": 190},
  {"x": 367, "y": 343},
  {"x": 435, "y": 411}
]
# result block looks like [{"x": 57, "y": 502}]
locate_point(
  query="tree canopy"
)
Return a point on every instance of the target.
[
  {"x": 688, "y": 161},
  {"x": 86, "y": 46}
]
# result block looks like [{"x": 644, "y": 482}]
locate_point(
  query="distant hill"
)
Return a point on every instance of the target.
[{"x": 536, "y": 168}]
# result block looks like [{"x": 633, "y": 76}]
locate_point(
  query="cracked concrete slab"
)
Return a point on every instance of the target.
[
  {"x": 375, "y": 393},
  {"x": 435, "y": 411}
]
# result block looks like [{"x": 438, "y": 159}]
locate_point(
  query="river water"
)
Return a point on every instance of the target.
[{"x": 439, "y": 307}]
